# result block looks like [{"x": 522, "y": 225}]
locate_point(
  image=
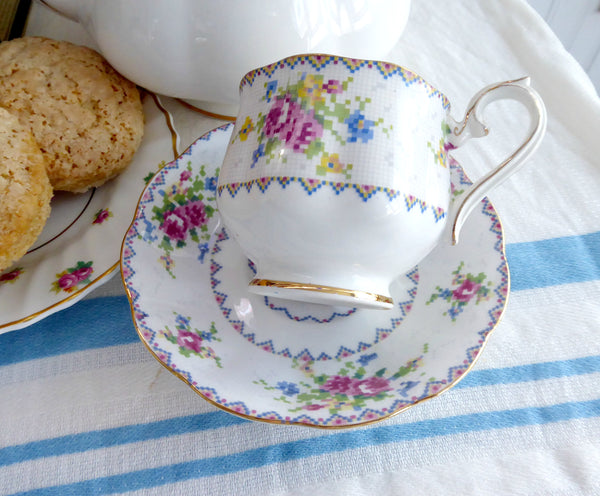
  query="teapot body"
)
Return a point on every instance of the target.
[{"x": 200, "y": 49}]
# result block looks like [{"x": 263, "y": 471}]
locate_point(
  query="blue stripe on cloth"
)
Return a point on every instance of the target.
[
  {"x": 538, "y": 264},
  {"x": 322, "y": 445},
  {"x": 532, "y": 372},
  {"x": 116, "y": 436},
  {"x": 76, "y": 443},
  {"x": 69, "y": 330}
]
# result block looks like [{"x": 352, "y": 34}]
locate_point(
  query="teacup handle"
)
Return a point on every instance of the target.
[{"x": 472, "y": 127}]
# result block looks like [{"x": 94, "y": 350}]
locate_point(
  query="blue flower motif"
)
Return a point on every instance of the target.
[
  {"x": 203, "y": 247},
  {"x": 359, "y": 127},
  {"x": 206, "y": 336},
  {"x": 182, "y": 322},
  {"x": 256, "y": 154},
  {"x": 271, "y": 87},
  {"x": 211, "y": 184},
  {"x": 455, "y": 311},
  {"x": 148, "y": 237},
  {"x": 406, "y": 386},
  {"x": 288, "y": 388},
  {"x": 446, "y": 294},
  {"x": 365, "y": 359}
]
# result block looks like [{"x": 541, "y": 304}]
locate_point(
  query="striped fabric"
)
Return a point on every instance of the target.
[
  {"x": 121, "y": 423},
  {"x": 85, "y": 409}
]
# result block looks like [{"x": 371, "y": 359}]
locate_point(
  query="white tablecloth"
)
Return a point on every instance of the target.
[{"x": 85, "y": 409}]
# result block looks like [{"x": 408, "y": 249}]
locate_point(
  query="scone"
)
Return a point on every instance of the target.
[
  {"x": 86, "y": 117},
  {"x": 25, "y": 190}
]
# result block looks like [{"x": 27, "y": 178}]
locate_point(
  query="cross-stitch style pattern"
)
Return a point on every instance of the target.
[{"x": 331, "y": 130}]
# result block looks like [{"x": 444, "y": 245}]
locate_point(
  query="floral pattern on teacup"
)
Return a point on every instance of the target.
[
  {"x": 72, "y": 278},
  {"x": 465, "y": 289},
  {"x": 440, "y": 152},
  {"x": 305, "y": 115}
]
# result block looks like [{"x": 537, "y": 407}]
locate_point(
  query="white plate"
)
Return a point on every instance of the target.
[
  {"x": 296, "y": 363},
  {"x": 79, "y": 247}
]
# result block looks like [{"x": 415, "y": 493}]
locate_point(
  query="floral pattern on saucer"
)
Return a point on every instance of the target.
[
  {"x": 179, "y": 318},
  {"x": 466, "y": 288},
  {"x": 192, "y": 341},
  {"x": 183, "y": 215},
  {"x": 349, "y": 389}
]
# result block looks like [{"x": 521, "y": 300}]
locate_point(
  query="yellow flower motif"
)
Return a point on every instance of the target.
[
  {"x": 331, "y": 163},
  {"x": 312, "y": 88},
  {"x": 247, "y": 128},
  {"x": 440, "y": 154}
]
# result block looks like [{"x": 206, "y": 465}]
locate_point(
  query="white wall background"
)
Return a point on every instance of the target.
[{"x": 577, "y": 25}]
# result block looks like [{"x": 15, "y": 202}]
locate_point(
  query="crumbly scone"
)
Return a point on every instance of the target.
[
  {"x": 25, "y": 191},
  {"x": 87, "y": 118}
]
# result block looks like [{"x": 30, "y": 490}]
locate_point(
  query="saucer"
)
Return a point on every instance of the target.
[
  {"x": 78, "y": 249},
  {"x": 287, "y": 362}
]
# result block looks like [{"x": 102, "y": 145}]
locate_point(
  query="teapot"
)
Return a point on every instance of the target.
[{"x": 198, "y": 50}]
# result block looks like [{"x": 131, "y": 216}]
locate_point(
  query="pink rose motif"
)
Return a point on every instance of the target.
[
  {"x": 175, "y": 223},
  {"x": 313, "y": 407},
  {"x": 185, "y": 175},
  {"x": 11, "y": 276},
  {"x": 196, "y": 213},
  {"x": 296, "y": 128},
  {"x": 466, "y": 291},
  {"x": 356, "y": 387},
  {"x": 68, "y": 281},
  {"x": 333, "y": 86},
  {"x": 339, "y": 384},
  {"x": 374, "y": 385},
  {"x": 189, "y": 340},
  {"x": 83, "y": 273},
  {"x": 448, "y": 146},
  {"x": 101, "y": 216}
]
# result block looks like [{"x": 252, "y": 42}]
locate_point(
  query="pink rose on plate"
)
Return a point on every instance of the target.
[
  {"x": 11, "y": 276},
  {"x": 374, "y": 385},
  {"x": 189, "y": 340},
  {"x": 83, "y": 273},
  {"x": 175, "y": 223},
  {"x": 68, "y": 281},
  {"x": 178, "y": 221},
  {"x": 371, "y": 386},
  {"x": 196, "y": 213},
  {"x": 101, "y": 216},
  {"x": 466, "y": 291},
  {"x": 339, "y": 384}
]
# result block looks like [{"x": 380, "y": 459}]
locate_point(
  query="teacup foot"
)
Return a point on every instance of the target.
[{"x": 315, "y": 293}]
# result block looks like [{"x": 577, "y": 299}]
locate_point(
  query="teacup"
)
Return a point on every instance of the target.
[{"x": 336, "y": 178}]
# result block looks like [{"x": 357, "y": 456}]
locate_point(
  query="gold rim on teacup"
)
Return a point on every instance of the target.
[{"x": 347, "y": 296}]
